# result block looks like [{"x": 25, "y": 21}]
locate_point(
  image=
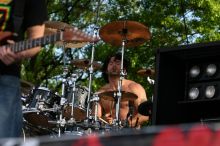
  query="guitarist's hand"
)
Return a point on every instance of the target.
[{"x": 7, "y": 56}]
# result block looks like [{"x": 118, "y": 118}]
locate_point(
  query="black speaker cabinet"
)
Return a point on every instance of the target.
[{"x": 171, "y": 102}]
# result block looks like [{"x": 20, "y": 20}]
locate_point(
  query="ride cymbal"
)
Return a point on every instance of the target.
[
  {"x": 133, "y": 32},
  {"x": 85, "y": 63},
  {"x": 110, "y": 95},
  {"x": 146, "y": 72}
]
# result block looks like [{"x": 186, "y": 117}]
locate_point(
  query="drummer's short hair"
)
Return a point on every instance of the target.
[{"x": 117, "y": 56}]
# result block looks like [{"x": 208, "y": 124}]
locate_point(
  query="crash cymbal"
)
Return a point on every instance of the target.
[
  {"x": 146, "y": 72},
  {"x": 26, "y": 87},
  {"x": 57, "y": 25},
  {"x": 145, "y": 108},
  {"x": 134, "y": 32},
  {"x": 109, "y": 95},
  {"x": 85, "y": 63}
]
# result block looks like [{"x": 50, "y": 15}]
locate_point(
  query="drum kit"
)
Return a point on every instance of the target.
[{"x": 46, "y": 112}]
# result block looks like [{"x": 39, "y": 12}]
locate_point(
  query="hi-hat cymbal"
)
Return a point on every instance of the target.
[
  {"x": 26, "y": 87},
  {"x": 49, "y": 31},
  {"x": 85, "y": 63},
  {"x": 115, "y": 32},
  {"x": 71, "y": 44},
  {"x": 65, "y": 44},
  {"x": 146, "y": 72},
  {"x": 110, "y": 95},
  {"x": 145, "y": 108},
  {"x": 57, "y": 25}
]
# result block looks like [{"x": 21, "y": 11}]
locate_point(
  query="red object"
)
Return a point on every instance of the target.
[
  {"x": 91, "y": 140},
  {"x": 170, "y": 137},
  {"x": 199, "y": 135}
]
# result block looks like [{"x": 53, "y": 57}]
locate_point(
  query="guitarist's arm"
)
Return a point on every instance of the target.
[
  {"x": 32, "y": 33},
  {"x": 9, "y": 57}
]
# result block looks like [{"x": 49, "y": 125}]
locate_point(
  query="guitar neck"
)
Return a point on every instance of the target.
[{"x": 31, "y": 43}]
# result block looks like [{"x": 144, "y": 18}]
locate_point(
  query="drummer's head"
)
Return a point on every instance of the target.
[{"x": 117, "y": 58}]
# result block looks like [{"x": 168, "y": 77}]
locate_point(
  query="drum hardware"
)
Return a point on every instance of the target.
[
  {"x": 95, "y": 99},
  {"x": 91, "y": 65},
  {"x": 91, "y": 71},
  {"x": 26, "y": 87},
  {"x": 71, "y": 44},
  {"x": 94, "y": 121},
  {"x": 85, "y": 63},
  {"x": 42, "y": 107},
  {"x": 30, "y": 130},
  {"x": 111, "y": 95},
  {"x": 52, "y": 27},
  {"x": 72, "y": 85},
  {"x": 114, "y": 33},
  {"x": 150, "y": 73},
  {"x": 65, "y": 83},
  {"x": 58, "y": 25},
  {"x": 145, "y": 108},
  {"x": 146, "y": 72},
  {"x": 79, "y": 106}
]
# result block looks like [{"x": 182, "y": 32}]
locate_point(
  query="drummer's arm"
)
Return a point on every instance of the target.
[
  {"x": 99, "y": 110},
  {"x": 100, "y": 103},
  {"x": 138, "y": 119}
]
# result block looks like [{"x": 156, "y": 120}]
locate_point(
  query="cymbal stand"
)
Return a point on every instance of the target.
[
  {"x": 95, "y": 99},
  {"x": 122, "y": 75},
  {"x": 72, "y": 83},
  {"x": 152, "y": 82},
  {"x": 61, "y": 122},
  {"x": 91, "y": 71}
]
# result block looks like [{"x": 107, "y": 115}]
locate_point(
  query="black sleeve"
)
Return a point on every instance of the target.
[{"x": 35, "y": 12}]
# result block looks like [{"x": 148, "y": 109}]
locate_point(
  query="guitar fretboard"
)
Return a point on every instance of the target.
[{"x": 31, "y": 43}]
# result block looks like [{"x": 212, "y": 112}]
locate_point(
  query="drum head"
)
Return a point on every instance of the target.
[
  {"x": 40, "y": 118},
  {"x": 79, "y": 114}
]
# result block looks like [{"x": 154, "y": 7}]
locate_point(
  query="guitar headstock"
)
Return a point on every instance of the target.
[{"x": 74, "y": 34}]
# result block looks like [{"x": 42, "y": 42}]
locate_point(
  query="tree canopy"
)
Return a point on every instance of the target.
[{"x": 171, "y": 23}]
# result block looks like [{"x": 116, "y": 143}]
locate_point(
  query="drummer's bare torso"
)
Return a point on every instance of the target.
[{"x": 108, "y": 106}]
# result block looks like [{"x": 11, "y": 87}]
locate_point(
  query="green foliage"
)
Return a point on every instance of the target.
[{"x": 171, "y": 23}]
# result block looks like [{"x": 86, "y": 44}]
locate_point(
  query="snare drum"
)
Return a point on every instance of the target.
[{"x": 79, "y": 106}]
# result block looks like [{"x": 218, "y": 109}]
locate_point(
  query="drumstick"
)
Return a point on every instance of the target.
[
  {"x": 103, "y": 120},
  {"x": 136, "y": 122}
]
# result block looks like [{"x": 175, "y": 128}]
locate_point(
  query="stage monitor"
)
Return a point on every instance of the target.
[{"x": 187, "y": 87}]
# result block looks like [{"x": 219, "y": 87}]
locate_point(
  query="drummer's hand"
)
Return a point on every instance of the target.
[
  {"x": 134, "y": 122},
  {"x": 109, "y": 118}
]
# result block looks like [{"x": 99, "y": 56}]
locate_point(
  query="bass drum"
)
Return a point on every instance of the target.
[
  {"x": 29, "y": 130},
  {"x": 79, "y": 106},
  {"x": 42, "y": 108}
]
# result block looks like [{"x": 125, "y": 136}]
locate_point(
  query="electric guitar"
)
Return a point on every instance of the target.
[{"x": 65, "y": 35}]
